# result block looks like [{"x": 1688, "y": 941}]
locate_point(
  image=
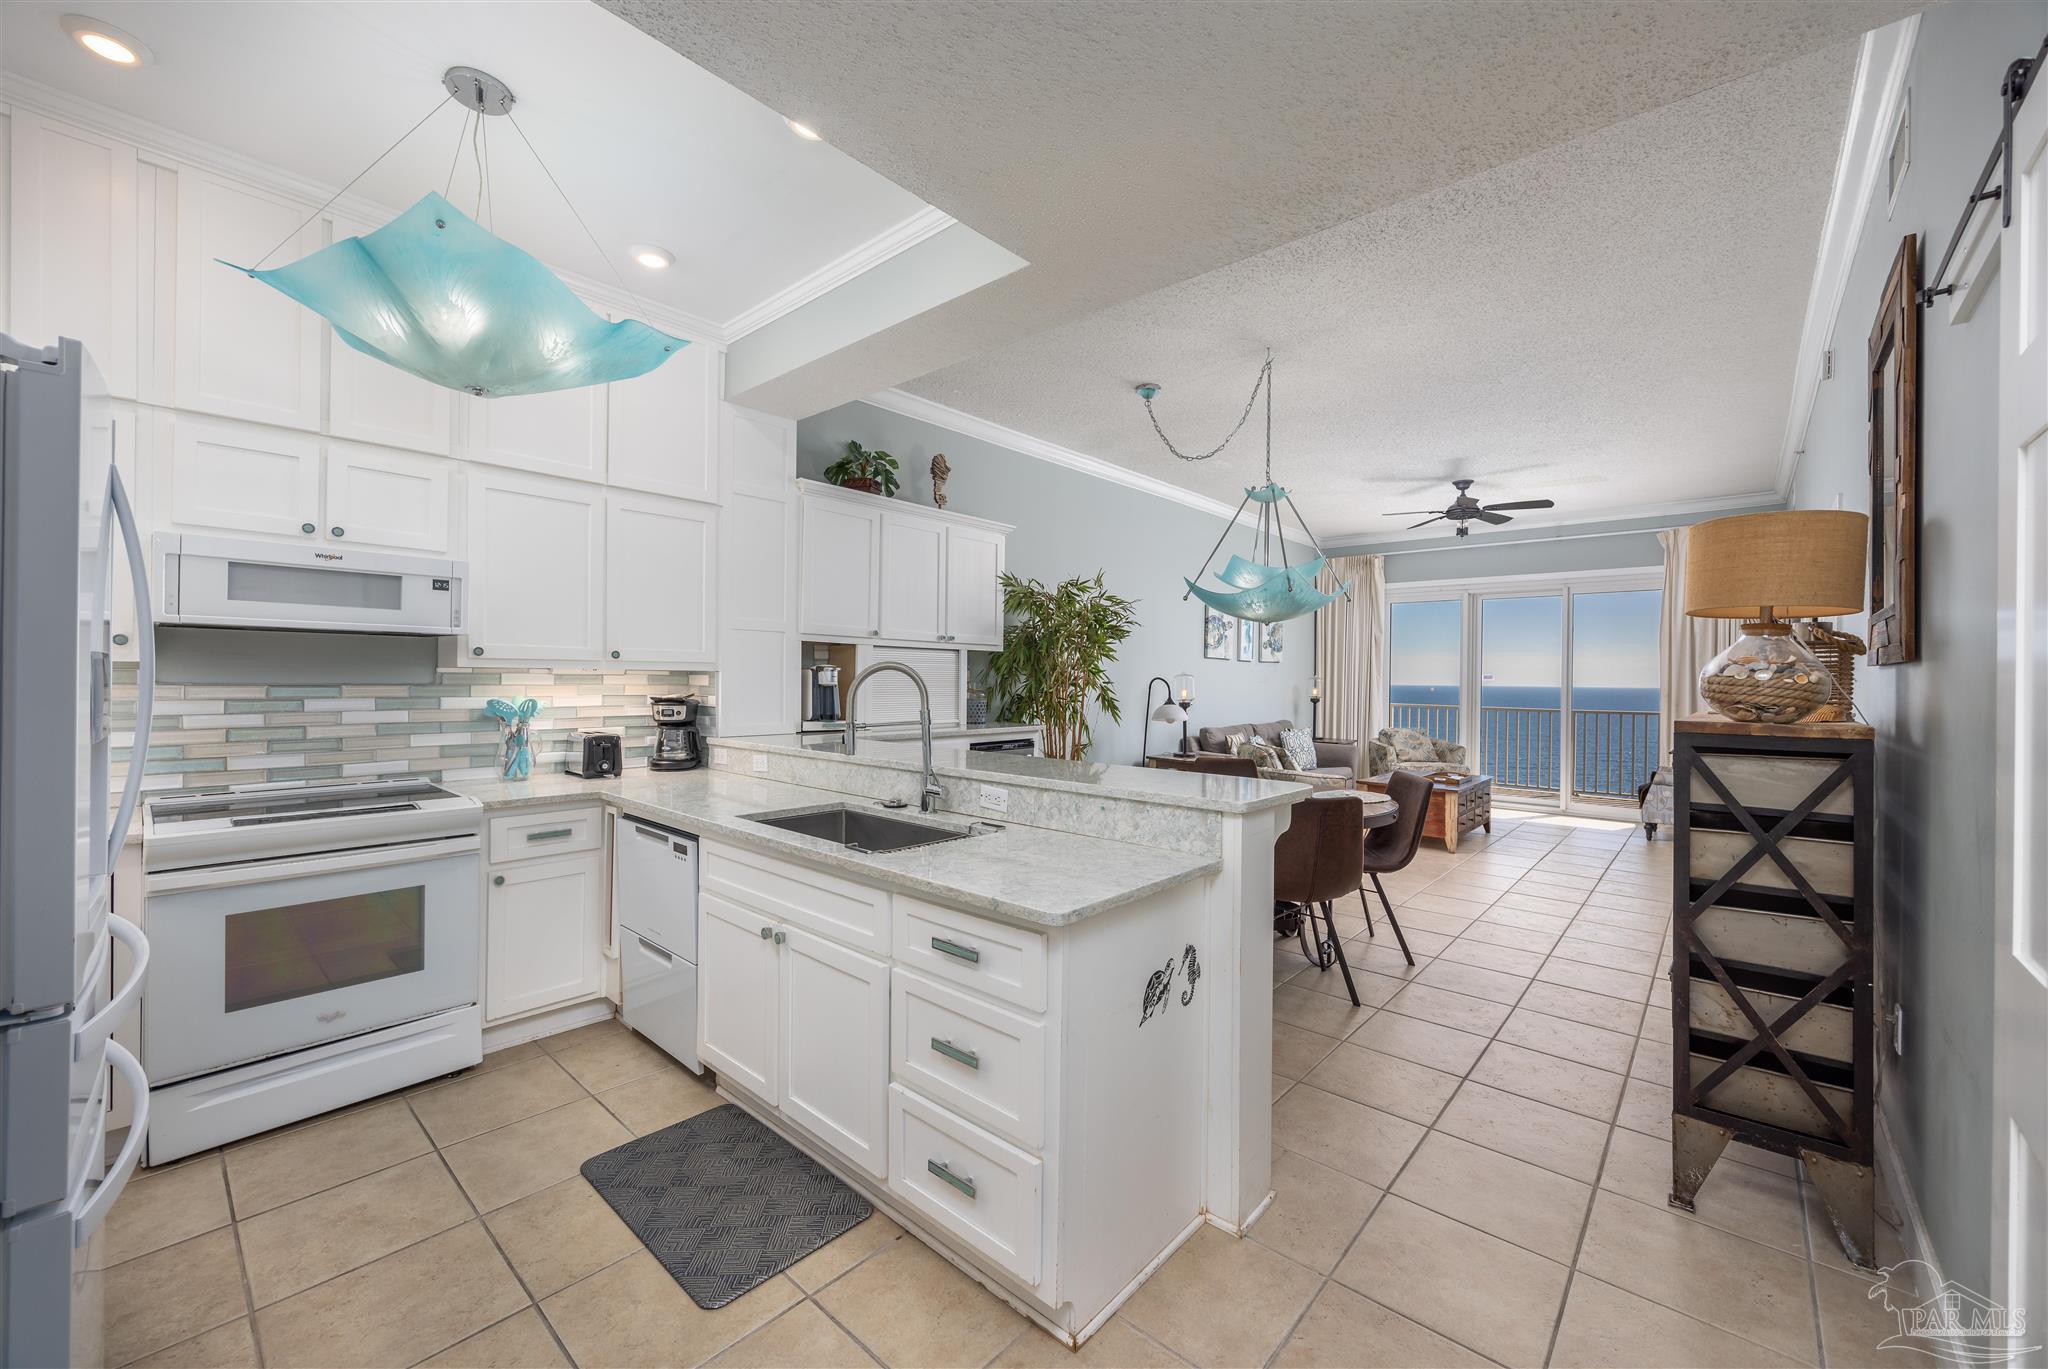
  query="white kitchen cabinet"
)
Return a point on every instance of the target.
[
  {"x": 974, "y": 592},
  {"x": 244, "y": 349},
  {"x": 536, "y": 566},
  {"x": 373, "y": 401},
  {"x": 835, "y": 1046},
  {"x": 661, "y": 580},
  {"x": 72, "y": 225},
  {"x": 757, "y": 559},
  {"x": 739, "y": 988},
  {"x": 663, "y": 428},
  {"x": 237, "y": 477},
  {"x": 912, "y": 604},
  {"x": 382, "y": 498},
  {"x": 546, "y": 924},
  {"x": 842, "y": 564},
  {"x": 561, "y": 432}
]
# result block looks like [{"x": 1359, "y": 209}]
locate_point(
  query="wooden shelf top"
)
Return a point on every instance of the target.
[{"x": 1713, "y": 724}]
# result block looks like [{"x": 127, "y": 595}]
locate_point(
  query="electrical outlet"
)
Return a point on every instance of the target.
[
  {"x": 760, "y": 765},
  {"x": 994, "y": 799}
]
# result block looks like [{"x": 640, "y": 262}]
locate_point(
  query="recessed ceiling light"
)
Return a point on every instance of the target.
[
  {"x": 653, "y": 258},
  {"x": 109, "y": 44},
  {"x": 804, "y": 131}
]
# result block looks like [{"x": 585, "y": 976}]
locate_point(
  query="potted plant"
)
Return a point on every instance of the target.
[
  {"x": 873, "y": 472},
  {"x": 1054, "y": 663}
]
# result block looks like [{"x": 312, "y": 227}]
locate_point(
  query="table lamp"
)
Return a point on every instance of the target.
[{"x": 1763, "y": 568}]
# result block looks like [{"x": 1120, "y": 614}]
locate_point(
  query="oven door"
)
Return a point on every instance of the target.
[{"x": 256, "y": 959}]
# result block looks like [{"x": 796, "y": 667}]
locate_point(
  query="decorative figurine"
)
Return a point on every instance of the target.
[{"x": 940, "y": 472}]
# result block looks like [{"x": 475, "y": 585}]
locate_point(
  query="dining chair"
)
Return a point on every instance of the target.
[
  {"x": 1392, "y": 847},
  {"x": 1316, "y": 861}
]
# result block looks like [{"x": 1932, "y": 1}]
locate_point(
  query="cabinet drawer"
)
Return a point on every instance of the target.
[
  {"x": 1779, "y": 941},
  {"x": 1829, "y": 866},
  {"x": 981, "y": 1190},
  {"x": 523, "y": 836},
  {"x": 984, "y": 1062},
  {"x": 989, "y": 957},
  {"x": 849, "y": 913}
]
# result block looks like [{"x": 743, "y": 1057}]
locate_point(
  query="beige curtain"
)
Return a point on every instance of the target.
[
  {"x": 1351, "y": 649},
  {"x": 1684, "y": 645}
]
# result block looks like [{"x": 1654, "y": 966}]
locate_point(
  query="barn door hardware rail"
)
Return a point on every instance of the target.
[{"x": 2012, "y": 94}]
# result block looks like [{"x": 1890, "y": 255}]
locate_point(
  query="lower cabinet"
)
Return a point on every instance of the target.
[
  {"x": 546, "y": 925},
  {"x": 737, "y": 1024}
]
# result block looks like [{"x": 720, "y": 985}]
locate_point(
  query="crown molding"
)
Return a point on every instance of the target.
[
  {"x": 166, "y": 147},
  {"x": 1354, "y": 543},
  {"x": 940, "y": 415},
  {"x": 1881, "y": 66},
  {"x": 925, "y": 223}
]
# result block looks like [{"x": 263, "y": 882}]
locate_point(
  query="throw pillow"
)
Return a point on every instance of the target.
[
  {"x": 1299, "y": 747},
  {"x": 1410, "y": 745},
  {"x": 1258, "y": 753}
]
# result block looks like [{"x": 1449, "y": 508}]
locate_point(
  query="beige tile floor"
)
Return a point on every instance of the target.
[{"x": 1470, "y": 1169}]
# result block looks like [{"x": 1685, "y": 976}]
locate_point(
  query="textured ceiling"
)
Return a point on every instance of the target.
[
  {"x": 1124, "y": 145},
  {"x": 1610, "y": 323},
  {"x": 650, "y": 148}
]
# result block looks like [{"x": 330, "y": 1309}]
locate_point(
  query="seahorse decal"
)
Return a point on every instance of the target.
[
  {"x": 1158, "y": 992},
  {"x": 1191, "y": 970}
]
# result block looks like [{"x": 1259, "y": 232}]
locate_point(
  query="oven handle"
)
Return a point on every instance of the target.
[{"x": 267, "y": 871}]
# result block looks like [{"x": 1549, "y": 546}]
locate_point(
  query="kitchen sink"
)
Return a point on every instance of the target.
[{"x": 859, "y": 829}]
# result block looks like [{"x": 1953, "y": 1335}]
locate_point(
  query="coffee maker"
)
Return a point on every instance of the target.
[
  {"x": 676, "y": 743},
  {"x": 821, "y": 694}
]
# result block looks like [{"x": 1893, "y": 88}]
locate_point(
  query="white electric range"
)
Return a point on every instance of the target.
[{"x": 316, "y": 943}]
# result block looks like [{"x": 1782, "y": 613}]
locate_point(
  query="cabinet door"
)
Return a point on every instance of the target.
[
  {"x": 738, "y": 1017},
  {"x": 661, "y": 580},
  {"x": 545, "y": 933},
  {"x": 664, "y": 428},
  {"x": 757, "y": 555},
  {"x": 842, "y": 557},
  {"x": 244, "y": 349},
  {"x": 912, "y": 605},
  {"x": 557, "y": 433},
  {"x": 974, "y": 593},
  {"x": 71, "y": 231},
  {"x": 536, "y": 568},
  {"x": 372, "y": 401},
  {"x": 835, "y": 1047},
  {"x": 235, "y": 477},
  {"x": 384, "y": 498}
]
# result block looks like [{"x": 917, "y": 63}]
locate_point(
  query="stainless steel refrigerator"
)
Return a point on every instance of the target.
[{"x": 65, "y": 529}]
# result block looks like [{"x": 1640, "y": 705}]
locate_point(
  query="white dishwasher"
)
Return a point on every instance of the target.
[{"x": 654, "y": 899}]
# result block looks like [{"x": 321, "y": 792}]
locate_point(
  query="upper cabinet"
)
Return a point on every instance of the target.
[
  {"x": 876, "y": 570},
  {"x": 661, "y": 580},
  {"x": 664, "y": 428},
  {"x": 757, "y": 637},
  {"x": 383, "y": 498},
  {"x": 235, "y": 477},
  {"x": 72, "y": 227},
  {"x": 561, "y": 432},
  {"x": 536, "y": 558},
  {"x": 243, "y": 349}
]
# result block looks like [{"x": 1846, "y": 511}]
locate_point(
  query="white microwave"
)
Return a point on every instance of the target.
[{"x": 235, "y": 582}]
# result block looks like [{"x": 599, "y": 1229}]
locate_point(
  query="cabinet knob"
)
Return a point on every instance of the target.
[
  {"x": 781, "y": 937},
  {"x": 120, "y": 639},
  {"x": 476, "y": 651},
  {"x": 876, "y": 633},
  {"x": 767, "y": 933},
  {"x": 497, "y": 879},
  {"x": 337, "y": 532},
  {"x": 615, "y": 655},
  {"x": 307, "y": 527}
]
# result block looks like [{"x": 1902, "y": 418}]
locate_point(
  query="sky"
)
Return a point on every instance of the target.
[{"x": 1614, "y": 646}]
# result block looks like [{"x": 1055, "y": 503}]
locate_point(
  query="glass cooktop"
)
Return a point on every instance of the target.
[{"x": 260, "y": 805}]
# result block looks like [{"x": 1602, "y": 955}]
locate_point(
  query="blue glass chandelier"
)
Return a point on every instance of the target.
[
  {"x": 436, "y": 293},
  {"x": 1259, "y": 590}
]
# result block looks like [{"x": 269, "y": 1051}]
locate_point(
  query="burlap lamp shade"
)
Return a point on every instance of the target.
[{"x": 1762, "y": 568}]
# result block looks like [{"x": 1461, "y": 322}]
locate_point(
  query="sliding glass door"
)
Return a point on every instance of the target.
[{"x": 1551, "y": 686}]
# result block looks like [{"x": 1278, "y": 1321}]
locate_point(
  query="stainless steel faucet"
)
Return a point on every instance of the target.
[{"x": 929, "y": 800}]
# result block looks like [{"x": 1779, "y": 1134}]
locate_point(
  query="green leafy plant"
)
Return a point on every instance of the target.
[
  {"x": 1054, "y": 663},
  {"x": 861, "y": 469}
]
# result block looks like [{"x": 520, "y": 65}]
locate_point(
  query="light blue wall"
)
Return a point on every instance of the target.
[
  {"x": 1934, "y": 749},
  {"x": 1068, "y": 524}
]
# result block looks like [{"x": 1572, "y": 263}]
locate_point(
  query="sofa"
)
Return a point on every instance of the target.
[
  {"x": 1336, "y": 762},
  {"x": 1403, "y": 748}
]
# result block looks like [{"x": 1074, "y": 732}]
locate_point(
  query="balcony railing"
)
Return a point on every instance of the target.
[{"x": 1614, "y": 751}]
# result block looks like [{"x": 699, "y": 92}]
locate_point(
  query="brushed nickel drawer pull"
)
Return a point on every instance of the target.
[
  {"x": 551, "y": 834},
  {"x": 953, "y": 1052},
  {"x": 964, "y": 1185},
  {"x": 956, "y": 950}
]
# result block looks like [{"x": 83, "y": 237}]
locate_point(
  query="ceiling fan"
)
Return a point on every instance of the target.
[{"x": 1465, "y": 508}]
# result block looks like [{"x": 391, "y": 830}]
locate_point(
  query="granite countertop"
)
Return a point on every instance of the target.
[
  {"x": 1023, "y": 874},
  {"x": 1175, "y": 788}
]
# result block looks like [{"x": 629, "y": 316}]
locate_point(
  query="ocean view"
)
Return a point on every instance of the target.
[{"x": 1522, "y": 733}]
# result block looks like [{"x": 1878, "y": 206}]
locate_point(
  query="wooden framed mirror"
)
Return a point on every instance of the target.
[{"x": 1895, "y": 464}]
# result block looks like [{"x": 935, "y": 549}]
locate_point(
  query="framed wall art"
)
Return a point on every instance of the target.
[
  {"x": 1219, "y": 630},
  {"x": 1247, "y": 640},
  {"x": 1271, "y": 644},
  {"x": 1894, "y": 631}
]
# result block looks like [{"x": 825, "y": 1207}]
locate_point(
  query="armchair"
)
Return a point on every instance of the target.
[{"x": 1403, "y": 748}]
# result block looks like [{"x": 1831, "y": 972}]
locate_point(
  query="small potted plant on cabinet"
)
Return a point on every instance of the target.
[{"x": 872, "y": 472}]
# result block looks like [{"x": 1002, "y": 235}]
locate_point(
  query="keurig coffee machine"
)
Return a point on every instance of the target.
[{"x": 676, "y": 743}]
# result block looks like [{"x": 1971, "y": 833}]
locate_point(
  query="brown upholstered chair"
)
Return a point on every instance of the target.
[
  {"x": 1315, "y": 861},
  {"x": 1390, "y": 848}
]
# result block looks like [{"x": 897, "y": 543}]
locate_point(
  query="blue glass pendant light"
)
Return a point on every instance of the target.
[
  {"x": 435, "y": 293},
  {"x": 1258, "y": 589}
]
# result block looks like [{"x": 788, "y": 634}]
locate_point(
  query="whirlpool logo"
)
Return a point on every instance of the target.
[{"x": 327, "y": 556}]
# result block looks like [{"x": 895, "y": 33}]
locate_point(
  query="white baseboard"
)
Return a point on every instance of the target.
[
  {"x": 553, "y": 1022},
  {"x": 1913, "y": 1226}
]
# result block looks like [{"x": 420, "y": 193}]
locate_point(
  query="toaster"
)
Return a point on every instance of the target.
[{"x": 595, "y": 755}]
